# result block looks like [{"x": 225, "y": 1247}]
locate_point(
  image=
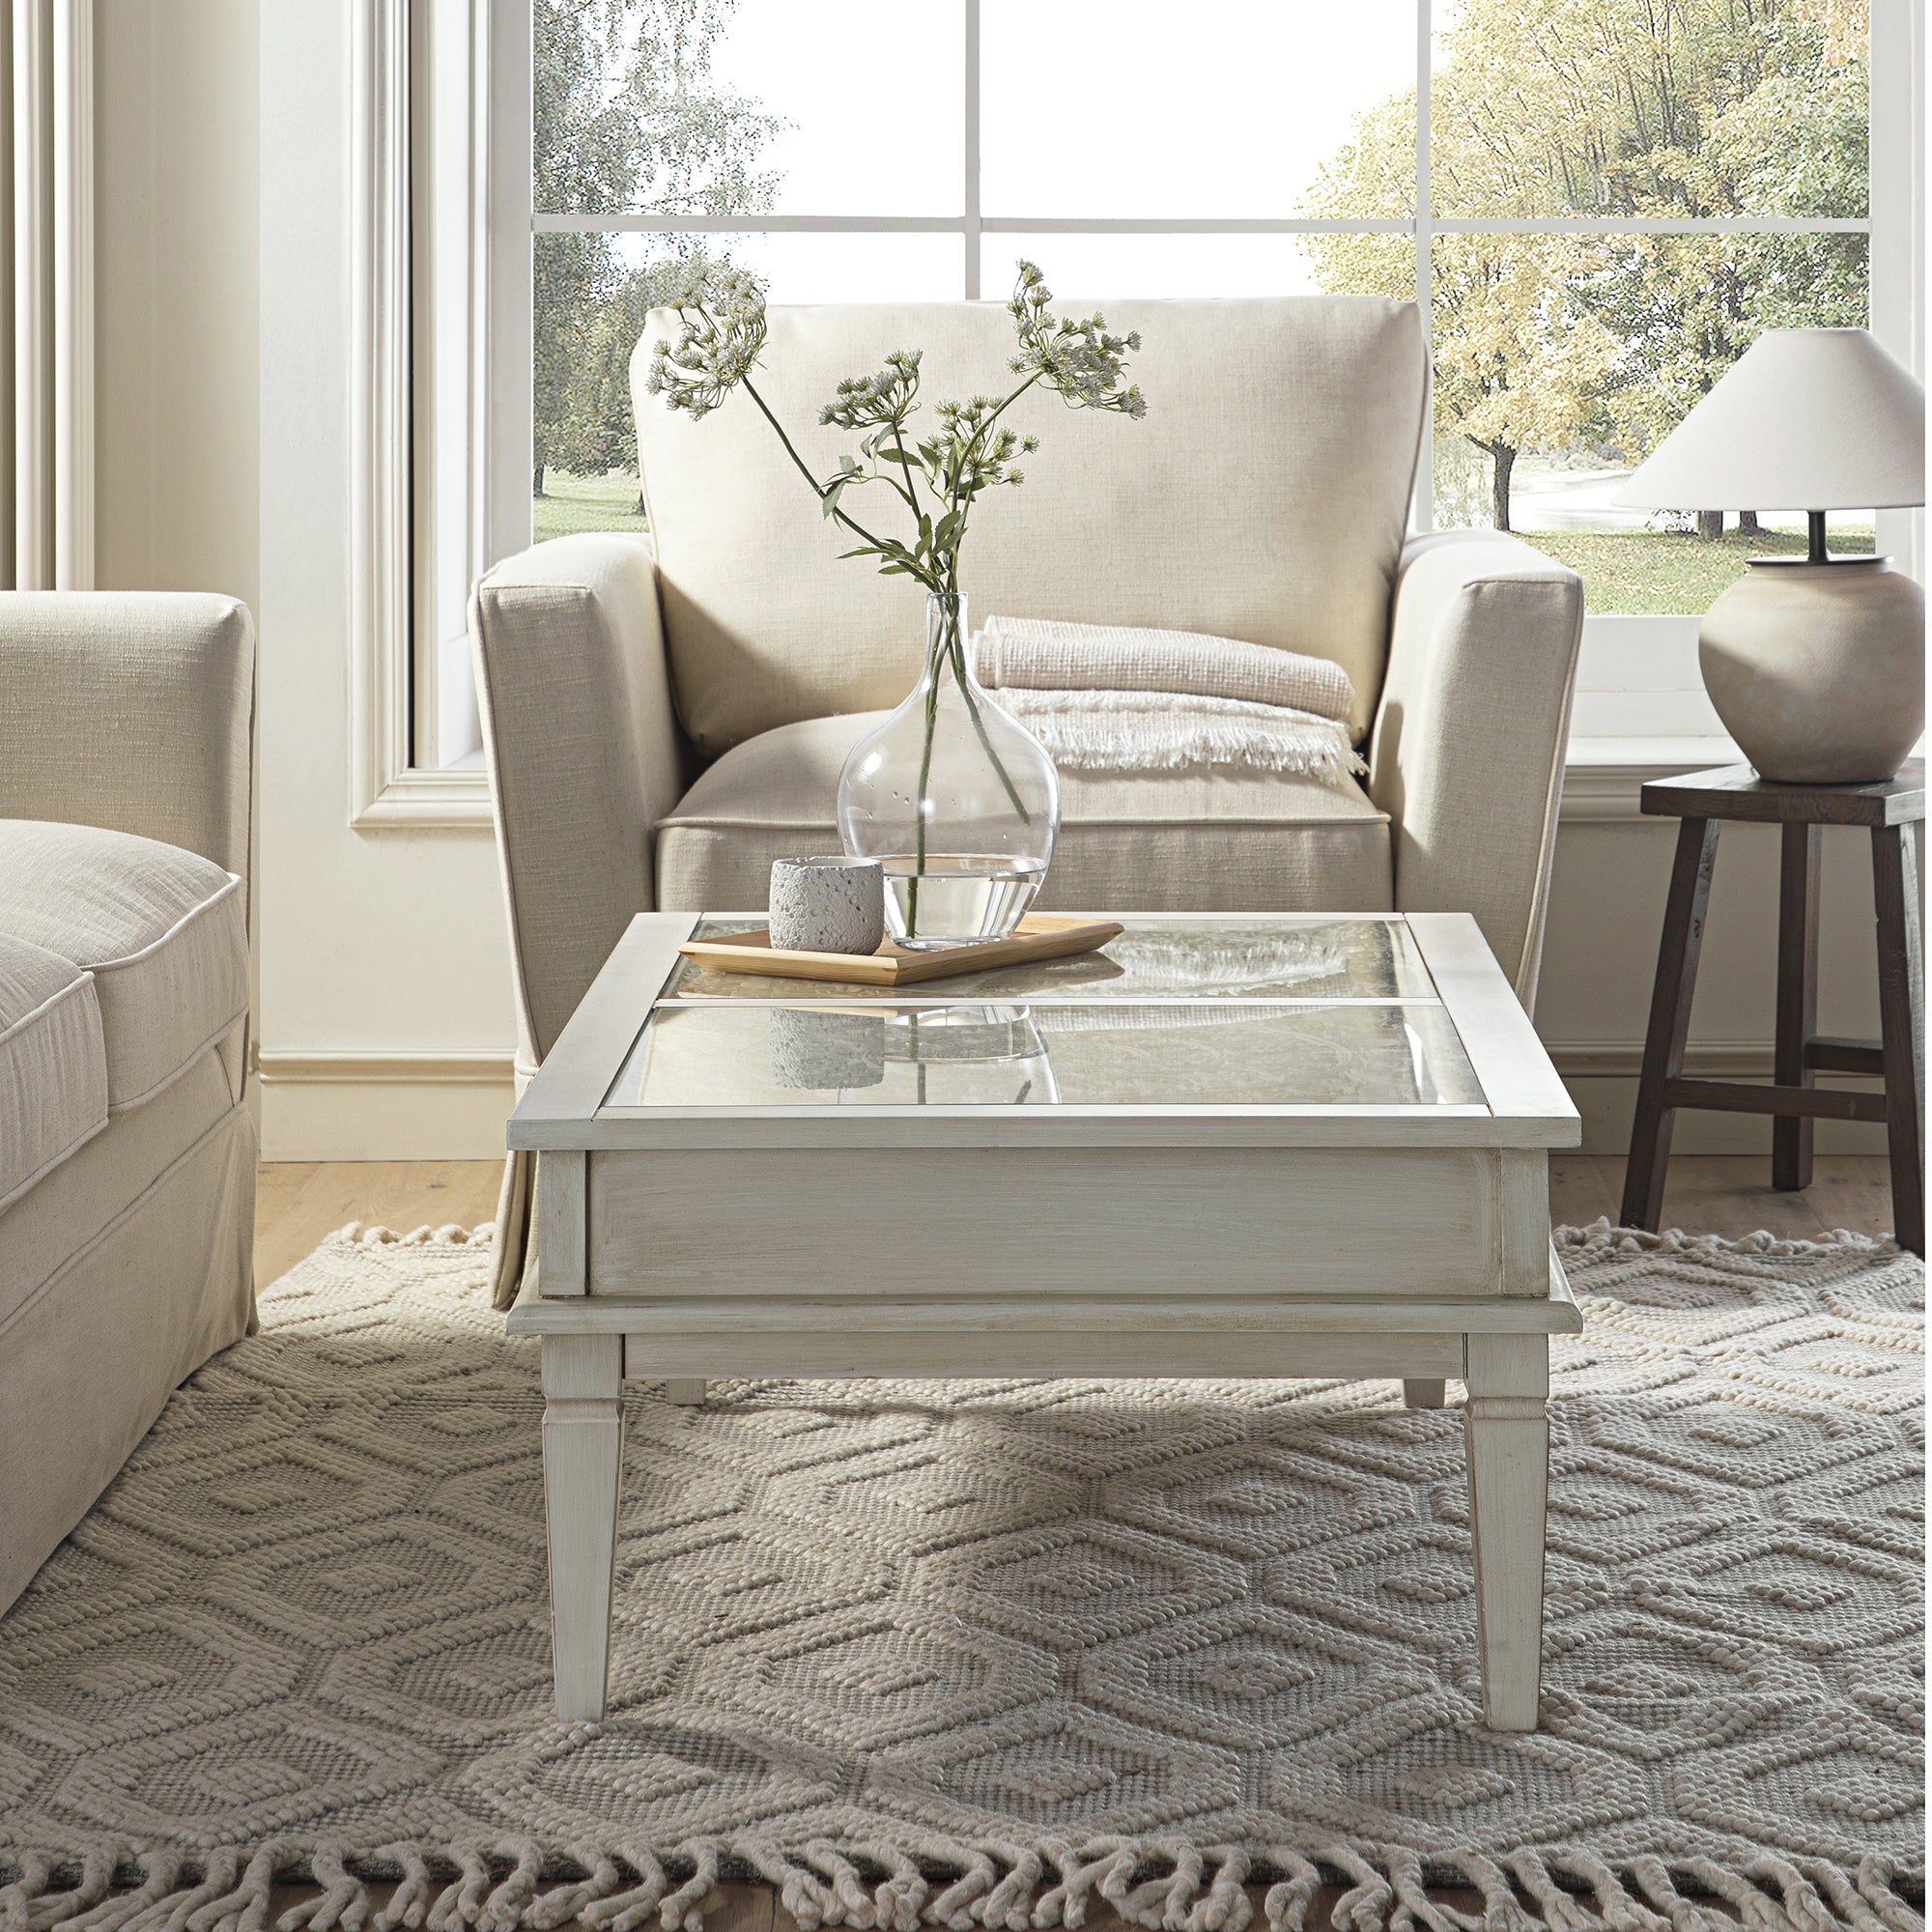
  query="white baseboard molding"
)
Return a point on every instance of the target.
[
  {"x": 384, "y": 1105},
  {"x": 387, "y": 1105}
]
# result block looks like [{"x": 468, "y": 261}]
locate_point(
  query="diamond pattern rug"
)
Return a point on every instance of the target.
[{"x": 984, "y": 1653}]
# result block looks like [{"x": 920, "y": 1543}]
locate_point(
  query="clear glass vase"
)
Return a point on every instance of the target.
[{"x": 957, "y": 798}]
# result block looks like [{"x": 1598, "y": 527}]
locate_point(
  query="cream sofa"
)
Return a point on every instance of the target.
[
  {"x": 664, "y": 719},
  {"x": 127, "y": 1150}
]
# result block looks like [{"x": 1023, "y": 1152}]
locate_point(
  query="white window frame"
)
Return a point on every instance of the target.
[
  {"x": 441, "y": 343},
  {"x": 444, "y": 409}
]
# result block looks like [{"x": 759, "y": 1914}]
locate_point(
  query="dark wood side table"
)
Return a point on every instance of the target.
[{"x": 1892, "y": 810}]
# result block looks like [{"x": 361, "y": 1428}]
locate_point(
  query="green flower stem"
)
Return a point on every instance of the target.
[
  {"x": 949, "y": 651},
  {"x": 910, "y": 491},
  {"x": 804, "y": 471},
  {"x": 919, "y": 798},
  {"x": 985, "y": 742}
]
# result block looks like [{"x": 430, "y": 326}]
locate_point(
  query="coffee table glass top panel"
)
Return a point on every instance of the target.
[
  {"x": 1278, "y": 958},
  {"x": 1017, "y": 1054}
]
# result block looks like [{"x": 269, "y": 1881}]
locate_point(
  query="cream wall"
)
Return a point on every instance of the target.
[
  {"x": 177, "y": 258},
  {"x": 224, "y": 411}
]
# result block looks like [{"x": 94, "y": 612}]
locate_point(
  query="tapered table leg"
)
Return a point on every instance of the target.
[
  {"x": 1506, "y": 1426},
  {"x": 1901, "y": 1005},
  {"x": 1669, "y": 1020},
  {"x": 584, "y": 1444},
  {"x": 1799, "y": 872},
  {"x": 1425, "y": 1394}
]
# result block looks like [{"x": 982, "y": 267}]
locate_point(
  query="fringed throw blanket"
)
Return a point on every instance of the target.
[{"x": 1112, "y": 698}]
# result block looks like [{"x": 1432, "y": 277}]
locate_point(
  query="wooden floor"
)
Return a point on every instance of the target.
[{"x": 298, "y": 1202}]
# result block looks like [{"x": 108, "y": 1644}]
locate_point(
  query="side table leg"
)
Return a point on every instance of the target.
[
  {"x": 1798, "y": 870},
  {"x": 584, "y": 1442},
  {"x": 685, "y": 1392},
  {"x": 1506, "y": 1426},
  {"x": 1425, "y": 1394},
  {"x": 1901, "y": 1005},
  {"x": 1669, "y": 1020}
]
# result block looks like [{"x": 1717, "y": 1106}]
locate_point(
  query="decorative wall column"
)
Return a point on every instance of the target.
[{"x": 47, "y": 307}]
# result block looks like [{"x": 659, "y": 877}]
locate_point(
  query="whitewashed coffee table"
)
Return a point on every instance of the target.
[{"x": 1231, "y": 1144}]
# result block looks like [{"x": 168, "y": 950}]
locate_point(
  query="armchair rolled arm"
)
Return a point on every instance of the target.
[
  {"x": 1467, "y": 751},
  {"x": 133, "y": 710}
]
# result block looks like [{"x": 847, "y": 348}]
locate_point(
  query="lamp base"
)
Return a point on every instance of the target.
[{"x": 1818, "y": 671}]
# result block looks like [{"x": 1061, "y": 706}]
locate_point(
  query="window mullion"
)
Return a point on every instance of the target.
[{"x": 971, "y": 119}]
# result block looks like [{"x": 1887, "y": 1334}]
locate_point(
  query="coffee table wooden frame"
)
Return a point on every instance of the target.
[{"x": 680, "y": 1243}]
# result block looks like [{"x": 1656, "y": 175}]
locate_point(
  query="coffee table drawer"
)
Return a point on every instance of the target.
[{"x": 1161, "y": 1222}]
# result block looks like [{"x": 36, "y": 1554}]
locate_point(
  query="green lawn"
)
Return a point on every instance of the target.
[
  {"x": 1631, "y": 573},
  {"x": 573, "y": 503},
  {"x": 1648, "y": 573}
]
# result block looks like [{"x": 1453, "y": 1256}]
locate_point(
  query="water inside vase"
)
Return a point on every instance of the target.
[{"x": 960, "y": 898}]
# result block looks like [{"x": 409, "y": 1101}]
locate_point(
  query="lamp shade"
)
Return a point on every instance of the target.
[{"x": 1805, "y": 419}]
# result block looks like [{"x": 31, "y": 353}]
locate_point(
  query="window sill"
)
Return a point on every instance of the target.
[
  {"x": 421, "y": 800},
  {"x": 1601, "y": 777}
]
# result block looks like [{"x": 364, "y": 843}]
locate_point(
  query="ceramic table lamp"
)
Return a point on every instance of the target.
[{"x": 1815, "y": 664}]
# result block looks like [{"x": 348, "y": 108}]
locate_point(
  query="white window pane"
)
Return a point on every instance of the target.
[
  {"x": 1109, "y": 267},
  {"x": 1133, "y": 110},
  {"x": 748, "y": 106},
  {"x": 843, "y": 145}
]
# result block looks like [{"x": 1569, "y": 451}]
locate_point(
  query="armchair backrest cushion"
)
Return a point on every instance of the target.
[{"x": 1263, "y": 497}]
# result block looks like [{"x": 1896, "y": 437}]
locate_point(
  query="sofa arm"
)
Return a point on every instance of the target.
[
  {"x": 1467, "y": 753},
  {"x": 584, "y": 758},
  {"x": 133, "y": 710}
]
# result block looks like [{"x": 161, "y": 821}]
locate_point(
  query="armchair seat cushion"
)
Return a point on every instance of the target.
[
  {"x": 1158, "y": 841},
  {"x": 164, "y": 932},
  {"x": 53, "y": 1067}
]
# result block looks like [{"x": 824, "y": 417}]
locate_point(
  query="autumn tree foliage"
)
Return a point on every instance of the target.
[{"x": 1634, "y": 109}]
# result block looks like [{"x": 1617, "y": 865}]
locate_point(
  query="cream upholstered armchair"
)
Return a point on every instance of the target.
[{"x": 665, "y": 718}]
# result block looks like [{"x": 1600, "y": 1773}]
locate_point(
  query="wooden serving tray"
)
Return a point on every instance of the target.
[{"x": 1038, "y": 936}]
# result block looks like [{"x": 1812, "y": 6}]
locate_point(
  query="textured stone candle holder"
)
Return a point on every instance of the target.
[{"x": 828, "y": 905}]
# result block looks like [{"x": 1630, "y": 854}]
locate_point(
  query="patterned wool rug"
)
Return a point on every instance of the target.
[{"x": 984, "y": 1653}]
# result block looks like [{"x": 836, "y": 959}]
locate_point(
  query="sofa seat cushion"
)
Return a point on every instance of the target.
[
  {"x": 1157, "y": 841},
  {"x": 164, "y": 933},
  {"x": 53, "y": 1067}
]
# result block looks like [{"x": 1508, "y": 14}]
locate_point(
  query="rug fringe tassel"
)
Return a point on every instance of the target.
[
  {"x": 1155, "y": 1885},
  {"x": 116, "y": 1913},
  {"x": 410, "y": 1903},
  {"x": 572, "y": 1902},
  {"x": 1285, "y": 1903},
  {"x": 1083, "y": 1878},
  {"x": 1414, "y": 1906},
  {"x": 627, "y": 1909}
]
